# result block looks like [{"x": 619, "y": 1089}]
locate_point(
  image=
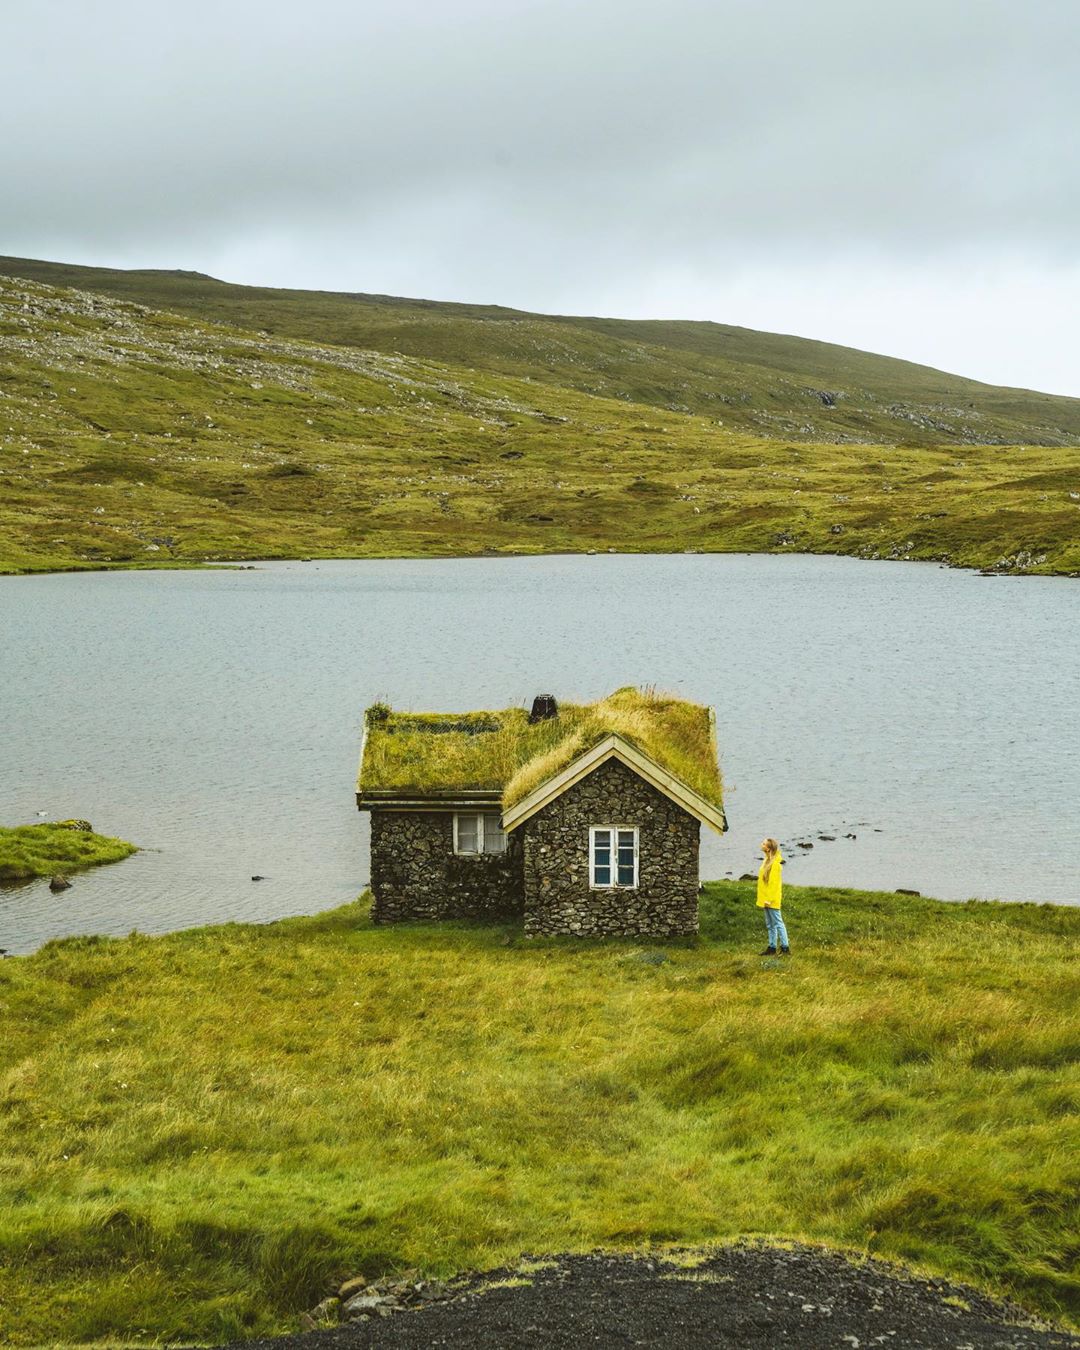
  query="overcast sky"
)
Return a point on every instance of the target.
[{"x": 897, "y": 175}]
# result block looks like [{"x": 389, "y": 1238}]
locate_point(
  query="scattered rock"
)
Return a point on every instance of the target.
[
  {"x": 902, "y": 890},
  {"x": 804, "y": 845},
  {"x": 59, "y": 883},
  {"x": 747, "y": 1294},
  {"x": 362, "y": 1303},
  {"x": 83, "y": 826},
  {"x": 748, "y": 876},
  {"x": 257, "y": 877},
  {"x": 828, "y": 838}
]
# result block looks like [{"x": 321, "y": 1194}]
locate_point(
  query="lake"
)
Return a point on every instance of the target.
[{"x": 213, "y": 717}]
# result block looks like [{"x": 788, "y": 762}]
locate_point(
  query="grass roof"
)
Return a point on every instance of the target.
[{"x": 500, "y": 751}]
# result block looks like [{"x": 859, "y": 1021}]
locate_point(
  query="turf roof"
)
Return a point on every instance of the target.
[{"x": 438, "y": 753}]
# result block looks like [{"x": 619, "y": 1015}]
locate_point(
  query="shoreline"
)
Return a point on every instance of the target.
[
  {"x": 434, "y": 926},
  {"x": 253, "y": 562}
]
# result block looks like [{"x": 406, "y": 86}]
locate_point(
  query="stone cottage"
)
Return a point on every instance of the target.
[{"x": 580, "y": 818}]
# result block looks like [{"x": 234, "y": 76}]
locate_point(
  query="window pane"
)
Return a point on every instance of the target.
[
  {"x": 625, "y": 858},
  {"x": 467, "y": 838},
  {"x": 494, "y": 838},
  {"x": 601, "y": 858}
]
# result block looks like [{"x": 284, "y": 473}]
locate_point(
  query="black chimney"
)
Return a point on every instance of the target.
[{"x": 544, "y": 707}]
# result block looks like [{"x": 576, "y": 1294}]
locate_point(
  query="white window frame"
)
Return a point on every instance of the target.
[
  {"x": 480, "y": 851},
  {"x": 614, "y": 884}
]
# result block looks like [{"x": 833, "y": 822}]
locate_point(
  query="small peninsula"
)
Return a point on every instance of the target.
[{"x": 28, "y": 851}]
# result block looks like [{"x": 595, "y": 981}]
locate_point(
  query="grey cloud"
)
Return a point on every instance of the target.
[{"x": 602, "y": 137}]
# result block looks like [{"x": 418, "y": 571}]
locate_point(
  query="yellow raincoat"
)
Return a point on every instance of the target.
[{"x": 768, "y": 892}]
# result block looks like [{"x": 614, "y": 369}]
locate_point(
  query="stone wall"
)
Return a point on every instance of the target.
[
  {"x": 415, "y": 873},
  {"x": 558, "y": 897}
]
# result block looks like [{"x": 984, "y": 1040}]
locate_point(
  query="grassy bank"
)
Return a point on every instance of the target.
[
  {"x": 199, "y": 1131},
  {"x": 137, "y": 438},
  {"x": 44, "y": 850}
]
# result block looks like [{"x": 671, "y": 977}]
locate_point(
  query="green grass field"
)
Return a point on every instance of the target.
[
  {"x": 200, "y": 1132},
  {"x": 130, "y": 437},
  {"x": 43, "y": 850}
]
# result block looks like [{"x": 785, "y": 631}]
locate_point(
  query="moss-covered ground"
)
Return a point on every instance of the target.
[
  {"x": 130, "y": 437},
  {"x": 43, "y": 850},
  {"x": 199, "y": 1132}
]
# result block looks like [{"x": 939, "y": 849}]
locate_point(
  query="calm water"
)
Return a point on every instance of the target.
[{"x": 214, "y": 717}]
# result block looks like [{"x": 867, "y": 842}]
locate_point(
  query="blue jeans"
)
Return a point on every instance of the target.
[{"x": 774, "y": 921}]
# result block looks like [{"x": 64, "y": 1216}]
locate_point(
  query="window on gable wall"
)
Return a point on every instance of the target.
[
  {"x": 613, "y": 856},
  {"x": 479, "y": 832}
]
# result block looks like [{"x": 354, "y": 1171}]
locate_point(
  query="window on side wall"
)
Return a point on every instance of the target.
[
  {"x": 613, "y": 856},
  {"x": 479, "y": 832}
]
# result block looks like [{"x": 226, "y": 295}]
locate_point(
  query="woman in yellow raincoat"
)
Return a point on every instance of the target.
[{"x": 769, "y": 898}]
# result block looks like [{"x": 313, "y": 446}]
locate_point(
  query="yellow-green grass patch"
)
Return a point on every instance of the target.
[{"x": 200, "y": 1133}]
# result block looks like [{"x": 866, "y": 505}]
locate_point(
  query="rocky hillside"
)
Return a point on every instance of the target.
[
  {"x": 134, "y": 436},
  {"x": 766, "y": 384}
]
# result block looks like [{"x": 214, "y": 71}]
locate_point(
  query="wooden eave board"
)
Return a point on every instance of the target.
[{"x": 387, "y": 800}]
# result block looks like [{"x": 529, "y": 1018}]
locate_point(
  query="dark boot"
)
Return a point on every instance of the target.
[
  {"x": 785, "y": 951},
  {"x": 769, "y": 951}
]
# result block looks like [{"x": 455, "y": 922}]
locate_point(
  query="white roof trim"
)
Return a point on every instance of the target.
[{"x": 614, "y": 747}]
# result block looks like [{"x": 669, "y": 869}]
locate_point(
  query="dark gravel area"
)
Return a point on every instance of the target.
[{"x": 742, "y": 1296}]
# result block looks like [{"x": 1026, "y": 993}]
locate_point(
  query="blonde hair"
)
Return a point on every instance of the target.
[{"x": 772, "y": 848}]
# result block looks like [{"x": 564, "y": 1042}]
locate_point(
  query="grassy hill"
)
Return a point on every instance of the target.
[
  {"x": 133, "y": 436},
  {"x": 201, "y": 1132},
  {"x": 766, "y": 384}
]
